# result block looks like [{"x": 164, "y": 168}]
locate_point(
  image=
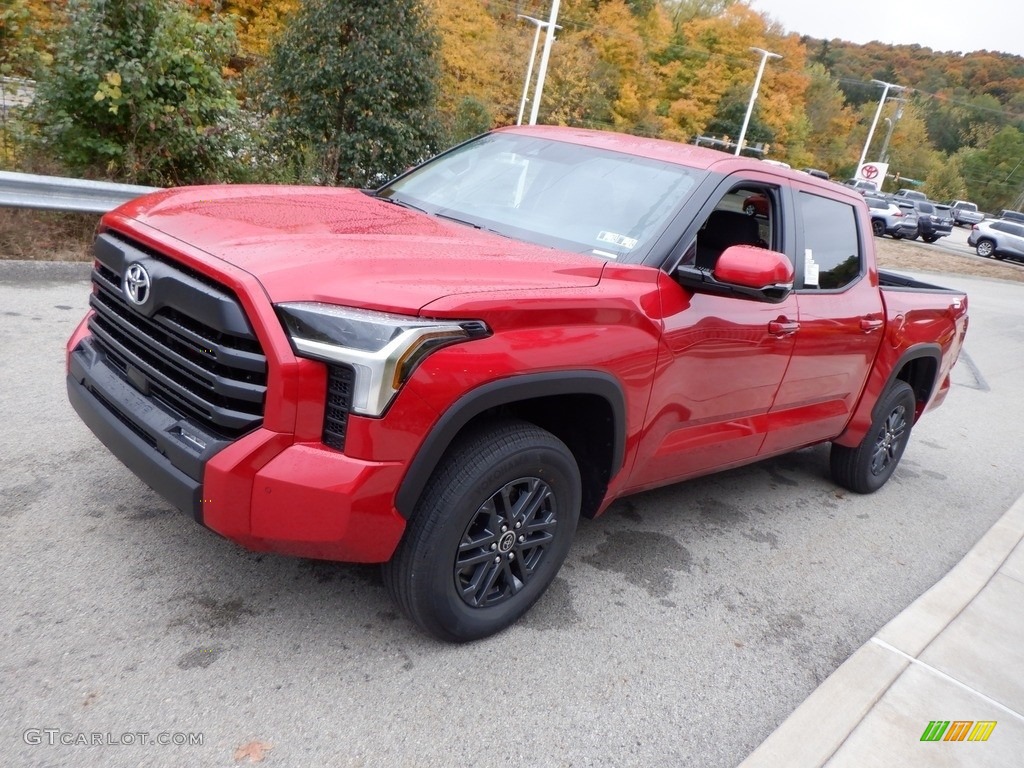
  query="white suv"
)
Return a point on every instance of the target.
[{"x": 998, "y": 239}]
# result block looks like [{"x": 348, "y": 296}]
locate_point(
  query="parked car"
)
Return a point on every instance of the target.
[
  {"x": 910, "y": 194},
  {"x": 932, "y": 221},
  {"x": 862, "y": 186},
  {"x": 818, "y": 173},
  {"x": 998, "y": 239},
  {"x": 500, "y": 341},
  {"x": 966, "y": 214},
  {"x": 1011, "y": 215},
  {"x": 756, "y": 205},
  {"x": 888, "y": 218}
]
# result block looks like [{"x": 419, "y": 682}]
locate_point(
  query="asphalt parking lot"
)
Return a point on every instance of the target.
[{"x": 686, "y": 625}]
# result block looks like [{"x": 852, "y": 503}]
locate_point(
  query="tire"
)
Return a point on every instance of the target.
[
  {"x": 750, "y": 210},
  {"x": 877, "y": 227},
  {"x": 461, "y": 571},
  {"x": 930, "y": 238},
  {"x": 985, "y": 248},
  {"x": 867, "y": 467}
]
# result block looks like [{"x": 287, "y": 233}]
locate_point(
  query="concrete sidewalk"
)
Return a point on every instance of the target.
[{"x": 955, "y": 654}]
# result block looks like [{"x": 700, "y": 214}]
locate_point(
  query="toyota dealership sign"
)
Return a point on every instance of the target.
[{"x": 873, "y": 172}]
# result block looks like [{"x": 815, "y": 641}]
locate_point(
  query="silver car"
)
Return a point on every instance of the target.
[
  {"x": 888, "y": 218},
  {"x": 998, "y": 239}
]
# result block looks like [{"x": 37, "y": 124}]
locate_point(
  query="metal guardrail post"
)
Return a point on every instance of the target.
[{"x": 54, "y": 193}]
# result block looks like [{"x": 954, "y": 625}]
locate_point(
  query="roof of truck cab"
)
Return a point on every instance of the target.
[{"x": 700, "y": 158}]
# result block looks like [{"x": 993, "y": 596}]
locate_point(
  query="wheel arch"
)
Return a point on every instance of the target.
[
  {"x": 585, "y": 409},
  {"x": 918, "y": 367}
]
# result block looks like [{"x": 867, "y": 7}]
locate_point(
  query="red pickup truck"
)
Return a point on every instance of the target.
[{"x": 443, "y": 374}]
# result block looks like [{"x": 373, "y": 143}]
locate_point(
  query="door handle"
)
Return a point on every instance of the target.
[
  {"x": 782, "y": 327},
  {"x": 868, "y": 324}
]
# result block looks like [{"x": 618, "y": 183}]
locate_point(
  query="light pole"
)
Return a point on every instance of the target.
[
  {"x": 878, "y": 113},
  {"x": 884, "y": 154},
  {"x": 538, "y": 23},
  {"x": 765, "y": 55},
  {"x": 538, "y": 92}
]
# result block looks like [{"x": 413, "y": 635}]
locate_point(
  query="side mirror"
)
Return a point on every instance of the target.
[{"x": 744, "y": 270}]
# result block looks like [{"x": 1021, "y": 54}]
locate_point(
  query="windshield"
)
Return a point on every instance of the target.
[{"x": 552, "y": 193}]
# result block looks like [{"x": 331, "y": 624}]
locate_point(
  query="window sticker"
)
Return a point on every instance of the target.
[
  {"x": 615, "y": 239},
  {"x": 810, "y": 269}
]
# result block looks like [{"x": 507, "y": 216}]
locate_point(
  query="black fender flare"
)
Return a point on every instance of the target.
[
  {"x": 503, "y": 392},
  {"x": 933, "y": 351}
]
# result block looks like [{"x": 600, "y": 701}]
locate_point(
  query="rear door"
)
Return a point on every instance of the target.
[{"x": 840, "y": 322}]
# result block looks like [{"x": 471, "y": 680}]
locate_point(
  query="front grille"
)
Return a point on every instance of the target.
[
  {"x": 340, "y": 379},
  {"x": 189, "y": 346}
]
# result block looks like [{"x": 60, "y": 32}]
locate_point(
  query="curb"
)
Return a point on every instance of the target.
[
  {"x": 816, "y": 730},
  {"x": 23, "y": 271}
]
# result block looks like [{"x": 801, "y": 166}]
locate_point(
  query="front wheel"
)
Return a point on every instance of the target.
[
  {"x": 750, "y": 209},
  {"x": 930, "y": 238},
  {"x": 867, "y": 467},
  {"x": 489, "y": 533}
]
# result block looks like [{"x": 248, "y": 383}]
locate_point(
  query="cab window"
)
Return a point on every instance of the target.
[{"x": 832, "y": 258}]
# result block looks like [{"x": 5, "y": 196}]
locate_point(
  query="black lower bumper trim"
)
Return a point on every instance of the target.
[{"x": 151, "y": 467}]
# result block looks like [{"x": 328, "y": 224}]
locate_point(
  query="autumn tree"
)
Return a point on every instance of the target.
[
  {"x": 945, "y": 182},
  {"x": 352, "y": 88},
  {"x": 135, "y": 91},
  {"x": 474, "y": 89},
  {"x": 995, "y": 173}
]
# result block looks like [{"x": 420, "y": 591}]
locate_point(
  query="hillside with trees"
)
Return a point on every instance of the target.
[{"x": 258, "y": 91}]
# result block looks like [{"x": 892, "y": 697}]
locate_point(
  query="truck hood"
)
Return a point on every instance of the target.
[{"x": 344, "y": 247}]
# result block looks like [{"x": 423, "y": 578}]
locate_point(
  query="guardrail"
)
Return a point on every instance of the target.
[{"x": 54, "y": 193}]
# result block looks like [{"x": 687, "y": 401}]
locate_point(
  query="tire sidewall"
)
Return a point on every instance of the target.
[{"x": 435, "y": 557}]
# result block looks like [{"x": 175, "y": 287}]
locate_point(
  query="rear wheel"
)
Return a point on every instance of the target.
[
  {"x": 867, "y": 467},
  {"x": 878, "y": 227},
  {"x": 489, "y": 533},
  {"x": 985, "y": 248},
  {"x": 750, "y": 209},
  {"x": 930, "y": 238}
]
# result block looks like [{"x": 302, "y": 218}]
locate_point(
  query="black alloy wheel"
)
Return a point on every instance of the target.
[
  {"x": 868, "y": 466},
  {"x": 489, "y": 533}
]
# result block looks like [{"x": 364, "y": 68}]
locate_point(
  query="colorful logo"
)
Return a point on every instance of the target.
[{"x": 958, "y": 730}]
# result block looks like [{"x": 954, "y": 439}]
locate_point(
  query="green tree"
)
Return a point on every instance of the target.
[
  {"x": 352, "y": 88},
  {"x": 135, "y": 91},
  {"x": 995, "y": 173},
  {"x": 945, "y": 182}
]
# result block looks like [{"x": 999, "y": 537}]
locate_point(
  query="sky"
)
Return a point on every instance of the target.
[{"x": 942, "y": 25}]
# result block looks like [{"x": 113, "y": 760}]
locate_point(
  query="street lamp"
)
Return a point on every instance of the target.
[
  {"x": 538, "y": 92},
  {"x": 878, "y": 113},
  {"x": 538, "y": 23},
  {"x": 884, "y": 154},
  {"x": 765, "y": 55}
]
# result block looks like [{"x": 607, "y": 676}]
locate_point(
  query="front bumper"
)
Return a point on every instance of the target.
[{"x": 263, "y": 490}]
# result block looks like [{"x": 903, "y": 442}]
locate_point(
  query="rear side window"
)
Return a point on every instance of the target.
[{"x": 832, "y": 257}]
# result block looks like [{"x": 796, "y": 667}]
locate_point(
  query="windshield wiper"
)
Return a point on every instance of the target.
[
  {"x": 457, "y": 220},
  {"x": 393, "y": 200}
]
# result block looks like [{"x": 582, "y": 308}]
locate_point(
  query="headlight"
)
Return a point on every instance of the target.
[{"x": 382, "y": 348}]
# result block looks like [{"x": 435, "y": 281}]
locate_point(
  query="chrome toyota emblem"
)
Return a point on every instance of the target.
[{"x": 137, "y": 284}]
